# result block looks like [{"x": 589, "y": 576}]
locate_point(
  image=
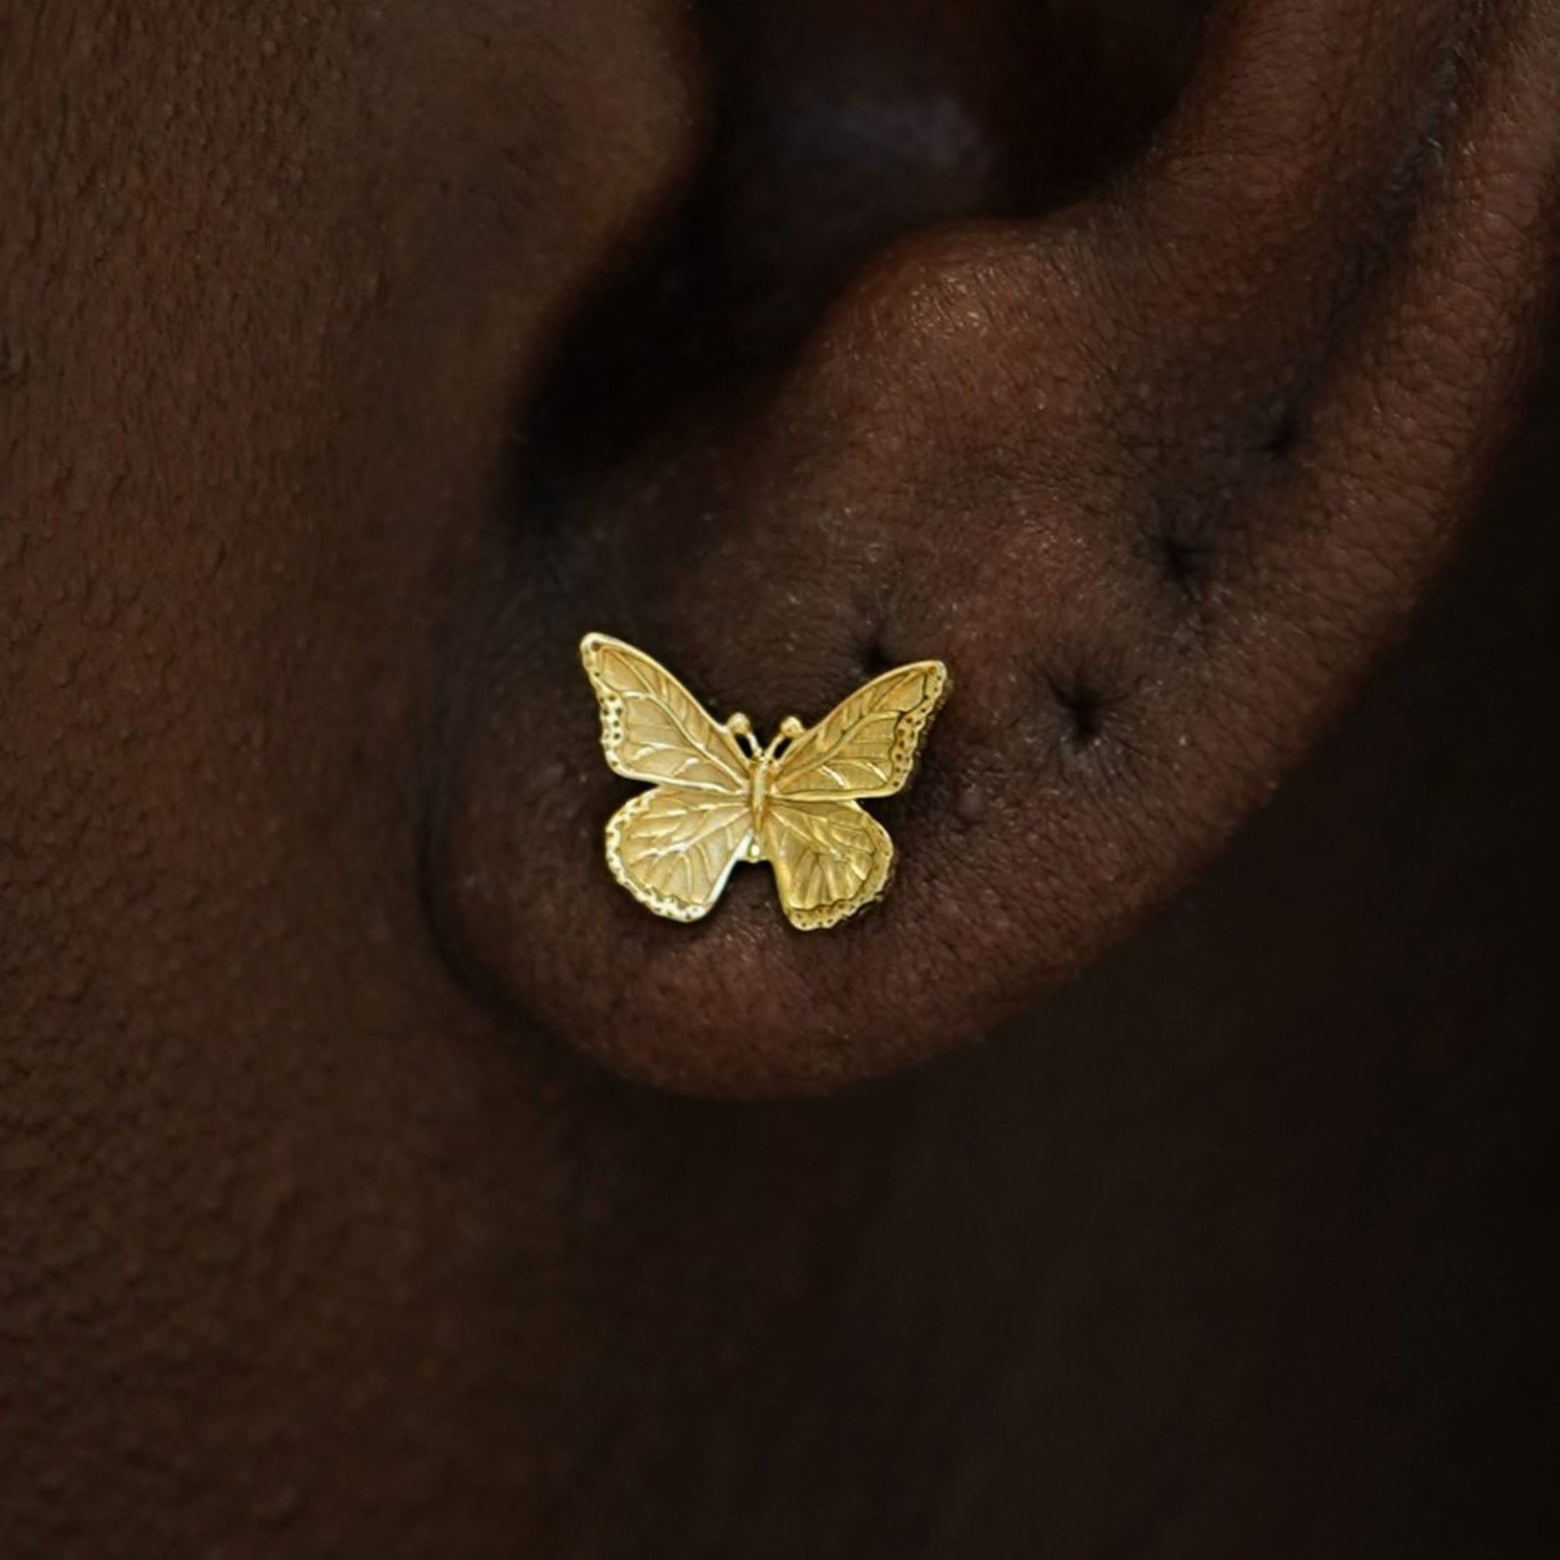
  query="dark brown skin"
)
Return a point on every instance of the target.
[{"x": 355, "y": 359}]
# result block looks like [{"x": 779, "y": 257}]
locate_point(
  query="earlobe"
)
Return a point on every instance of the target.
[{"x": 1157, "y": 476}]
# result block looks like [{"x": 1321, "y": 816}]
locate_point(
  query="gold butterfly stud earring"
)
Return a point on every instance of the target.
[{"x": 718, "y": 797}]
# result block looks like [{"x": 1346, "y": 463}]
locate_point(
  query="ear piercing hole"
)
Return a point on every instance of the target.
[
  {"x": 1283, "y": 436},
  {"x": 1184, "y": 564},
  {"x": 875, "y": 659},
  {"x": 1085, "y": 709}
]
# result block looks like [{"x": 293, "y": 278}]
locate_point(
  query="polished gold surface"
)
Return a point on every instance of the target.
[{"x": 719, "y": 798}]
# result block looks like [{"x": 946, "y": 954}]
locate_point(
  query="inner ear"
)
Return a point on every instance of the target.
[{"x": 839, "y": 126}]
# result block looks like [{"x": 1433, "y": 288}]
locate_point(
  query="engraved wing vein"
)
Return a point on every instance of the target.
[
  {"x": 675, "y": 850},
  {"x": 675, "y": 846},
  {"x": 829, "y": 859},
  {"x": 867, "y": 745},
  {"x": 654, "y": 730}
]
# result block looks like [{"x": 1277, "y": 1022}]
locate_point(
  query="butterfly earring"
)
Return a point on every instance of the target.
[{"x": 720, "y": 798}]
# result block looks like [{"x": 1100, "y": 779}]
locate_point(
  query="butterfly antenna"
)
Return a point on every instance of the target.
[
  {"x": 742, "y": 728},
  {"x": 790, "y": 729}
]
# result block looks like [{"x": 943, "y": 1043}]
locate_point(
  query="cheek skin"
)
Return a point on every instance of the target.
[
  {"x": 266, "y": 301},
  {"x": 268, "y": 279}
]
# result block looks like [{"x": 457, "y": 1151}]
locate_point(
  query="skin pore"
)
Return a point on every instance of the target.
[{"x": 354, "y": 359}]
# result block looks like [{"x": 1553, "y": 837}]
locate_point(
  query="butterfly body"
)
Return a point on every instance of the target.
[
  {"x": 715, "y": 802},
  {"x": 760, "y": 792}
]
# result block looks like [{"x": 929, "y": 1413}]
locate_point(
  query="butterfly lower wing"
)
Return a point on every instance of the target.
[
  {"x": 653, "y": 729},
  {"x": 830, "y": 859},
  {"x": 674, "y": 849},
  {"x": 868, "y": 745}
]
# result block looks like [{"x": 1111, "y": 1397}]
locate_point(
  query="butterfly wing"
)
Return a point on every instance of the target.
[
  {"x": 868, "y": 745},
  {"x": 830, "y": 859},
  {"x": 673, "y": 849},
  {"x": 653, "y": 729}
]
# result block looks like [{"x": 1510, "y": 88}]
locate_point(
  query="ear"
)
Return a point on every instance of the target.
[{"x": 1157, "y": 476}]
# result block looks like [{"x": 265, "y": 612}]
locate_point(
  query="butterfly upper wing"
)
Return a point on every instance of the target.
[
  {"x": 653, "y": 729},
  {"x": 867, "y": 745},
  {"x": 830, "y": 860},
  {"x": 673, "y": 849}
]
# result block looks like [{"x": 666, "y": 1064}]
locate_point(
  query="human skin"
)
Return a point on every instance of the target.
[{"x": 351, "y": 1204}]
